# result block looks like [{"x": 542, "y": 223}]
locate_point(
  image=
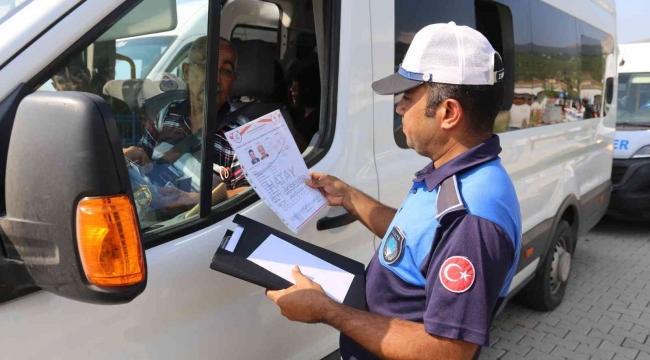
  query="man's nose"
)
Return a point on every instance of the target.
[
  {"x": 400, "y": 109},
  {"x": 219, "y": 88}
]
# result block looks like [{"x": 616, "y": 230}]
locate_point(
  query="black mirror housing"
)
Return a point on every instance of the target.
[{"x": 64, "y": 147}]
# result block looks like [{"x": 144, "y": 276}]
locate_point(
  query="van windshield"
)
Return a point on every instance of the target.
[
  {"x": 9, "y": 7},
  {"x": 633, "y": 99},
  {"x": 144, "y": 52}
]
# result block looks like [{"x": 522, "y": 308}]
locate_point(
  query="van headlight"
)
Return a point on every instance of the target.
[{"x": 643, "y": 152}]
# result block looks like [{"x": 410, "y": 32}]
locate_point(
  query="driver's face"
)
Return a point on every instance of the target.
[
  {"x": 227, "y": 75},
  {"x": 252, "y": 155},
  {"x": 194, "y": 74}
]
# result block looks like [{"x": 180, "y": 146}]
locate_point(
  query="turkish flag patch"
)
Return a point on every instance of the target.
[{"x": 457, "y": 274}]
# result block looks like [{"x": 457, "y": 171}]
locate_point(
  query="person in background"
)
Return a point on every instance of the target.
[
  {"x": 304, "y": 93},
  {"x": 535, "y": 111},
  {"x": 519, "y": 113},
  {"x": 588, "y": 109},
  {"x": 74, "y": 77}
]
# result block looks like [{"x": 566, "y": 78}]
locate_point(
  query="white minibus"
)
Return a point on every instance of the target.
[{"x": 82, "y": 80}]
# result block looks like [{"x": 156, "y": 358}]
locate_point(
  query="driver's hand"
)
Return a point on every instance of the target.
[
  {"x": 139, "y": 156},
  {"x": 173, "y": 197}
]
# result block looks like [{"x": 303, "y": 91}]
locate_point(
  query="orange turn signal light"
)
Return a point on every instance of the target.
[{"x": 109, "y": 241}]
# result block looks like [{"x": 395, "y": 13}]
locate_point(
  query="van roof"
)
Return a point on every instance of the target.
[{"x": 635, "y": 57}]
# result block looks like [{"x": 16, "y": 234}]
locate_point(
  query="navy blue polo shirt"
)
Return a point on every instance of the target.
[{"x": 451, "y": 251}]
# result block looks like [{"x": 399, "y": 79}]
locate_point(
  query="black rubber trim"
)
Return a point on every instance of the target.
[
  {"x": 210, "y": 112},
  {"x": 330, "y": 93},
  {"x": 334, "y": 222},
  {"x": 41, "y": 34}
]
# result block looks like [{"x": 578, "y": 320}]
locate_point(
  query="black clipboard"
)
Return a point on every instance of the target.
[{"x": 236, "y": 263}]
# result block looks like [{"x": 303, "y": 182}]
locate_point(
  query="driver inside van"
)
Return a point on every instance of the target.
[{"x": 176, "y": 136}]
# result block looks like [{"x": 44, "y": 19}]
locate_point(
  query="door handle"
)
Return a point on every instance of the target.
[{"x": 335, "y": 221}]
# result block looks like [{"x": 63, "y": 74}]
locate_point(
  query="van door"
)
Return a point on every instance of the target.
[{"x": 188, "y": 310}]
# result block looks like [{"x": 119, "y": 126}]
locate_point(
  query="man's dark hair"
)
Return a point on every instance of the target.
[
  {"x": 251, "y": 151},
  {"x": 481, "y": 103}
]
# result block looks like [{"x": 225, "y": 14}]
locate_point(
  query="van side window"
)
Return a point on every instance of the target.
[
  {"x": 413, "y": 15},
  {"x": 595, "y": 47},
  {"x": 155, "y": 84},
  {"x": 555, "y": 63},
  {"x": 158, "y": 114}
]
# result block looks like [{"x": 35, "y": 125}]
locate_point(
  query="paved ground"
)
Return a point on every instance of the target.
[{"x": 606, "y": 310}]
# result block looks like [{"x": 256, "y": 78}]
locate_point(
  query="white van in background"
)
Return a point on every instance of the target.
[
  {"x": 82, "y": 79},
  {"x": 631, "y": 169}
]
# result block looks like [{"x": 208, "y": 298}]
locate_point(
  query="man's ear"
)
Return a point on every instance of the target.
[
  {"x": 186, "y": 71},
  {"x": 452, "y": 114}
]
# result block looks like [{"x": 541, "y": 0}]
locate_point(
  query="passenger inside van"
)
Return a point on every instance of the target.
[
  {"x": 74, "y": 77},
  {"x": 304, "y": 96},
  {"x": 177, "y": 131}
]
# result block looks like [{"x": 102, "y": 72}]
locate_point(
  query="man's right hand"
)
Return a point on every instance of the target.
[
  {"x": 335, "y": 191},
  {"x": 370, "y": 212},
  {"x": 139, "y": 156}
]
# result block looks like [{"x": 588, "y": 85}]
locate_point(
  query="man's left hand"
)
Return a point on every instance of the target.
[{"x": 304, "y": 302}]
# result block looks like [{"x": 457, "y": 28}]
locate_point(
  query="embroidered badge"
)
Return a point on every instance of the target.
[
  {"x": 457, "y": 274},
  {"x": 394, "y": 245}
]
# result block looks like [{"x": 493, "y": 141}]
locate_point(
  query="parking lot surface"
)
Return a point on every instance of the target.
[{"x": 606, "y": 310}]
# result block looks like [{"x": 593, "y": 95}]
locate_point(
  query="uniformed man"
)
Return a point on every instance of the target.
[{"x": 448, "y": 255}]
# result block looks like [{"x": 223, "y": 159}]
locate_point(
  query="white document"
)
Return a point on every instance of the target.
[
  {"x": 279, "y": 256},
  {"x": 274, "y": 166}
]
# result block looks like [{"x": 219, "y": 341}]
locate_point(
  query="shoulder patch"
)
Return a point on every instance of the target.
[
  {"x": 457, "y": 274},
  {"x": 448, "y": 198}
]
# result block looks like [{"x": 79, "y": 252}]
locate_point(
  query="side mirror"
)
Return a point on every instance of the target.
[{"x": 70, "y": 217}]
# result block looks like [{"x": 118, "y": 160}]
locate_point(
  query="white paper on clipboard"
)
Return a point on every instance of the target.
[
  {"x": 274, "y": 166},
  {"x": 279, "y": 257}
]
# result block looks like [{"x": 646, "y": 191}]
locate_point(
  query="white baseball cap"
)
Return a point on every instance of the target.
[{"x": 448, "y": 54}]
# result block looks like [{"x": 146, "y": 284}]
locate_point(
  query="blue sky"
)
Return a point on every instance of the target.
[{"x": 633, "y": 20}]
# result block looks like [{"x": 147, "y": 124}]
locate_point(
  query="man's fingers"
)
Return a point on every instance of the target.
[
  {"x": 298, "y": 276},
  {"x": 167, "y": 190},
  {"x": 317, "y": 180},
  {"x": 273, "y": 295}
]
